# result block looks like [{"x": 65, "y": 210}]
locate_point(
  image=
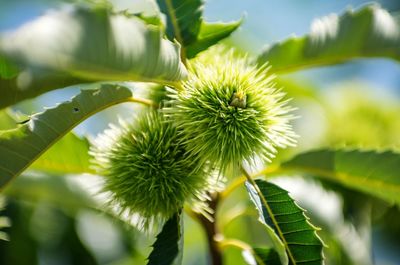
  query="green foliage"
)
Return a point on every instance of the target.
[
  {"x": 372, "y": 172},
  {"x": 67, "y": 156},
  {"x": 210, "y": 34},
  {"x": 86, "y": 45},
  {"x": 4, "y": 221},
  {"x": 33, "y": 82},
  {"x": 55, "y": 190},
  {"x": 7, "y": 69},
  {"x": 186, "y": 25},
  {"x": 267, "y": 256},
  {"x": 368, "y": 32},
  {"x": 365, "y": 120},
  {"x": 280, "y": 212},
  {"x": 167, "y": 250},
  {"x": 146, "y": 168},
  {"x": 70, "y": 155},
  {"x": 23, "y": 145},
  {"x": 183, "y": 19},
  {"x": 224, "y": 112},
  {"x": 229, "y": 112}
]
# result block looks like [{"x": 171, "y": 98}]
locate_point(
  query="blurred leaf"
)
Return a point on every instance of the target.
[
  {"x": 6, "y": 120},
  {"x": 70, "y": 155},
  {"x": 367, "y": 117},
  {"x": 69, "y": 47},
  {"x": 21, "y": 240},
  {"x": 280, "y": 212},
  {"x": 210, "y": 34},
  {"x": 50, "y": 189},
  {"x": 4, "y": 221},
  {"x": 262, "y": 256},
  {"x": 183, "y": 19},
  {"x": 374, "y": 173},
  {"x": 368, "y": 32},
  {"x": 167, "y": 249},
  {"x": 7, "y": 69},
  {"x": 33, "y": 82},
  {"x": 23, "y": 145}
]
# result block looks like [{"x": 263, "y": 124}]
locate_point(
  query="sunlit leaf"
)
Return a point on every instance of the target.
[
  {"x": 368, "y": 32},
  {"x": 167, "y": 250},
  {"x": 280, "y": 212},
  {"x": 183, "y": 19},
  {"x": 4, "y": 221},
  {"x": 31, "y": 83},
  {"x": 23, "y": 145},
  {"x": 210, "y": 34},
  {"x": 67, "y": 47},
  {"x": 262, "y": 256},
  {"x": 374, "y": 173},
  {"x": 70, "y": 155},
  {"x": 185, "y": 23}
]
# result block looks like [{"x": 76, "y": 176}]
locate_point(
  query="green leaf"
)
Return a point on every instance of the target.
[
  {"x": 268, "y": 256},
  {"x": 21, "y": 146},
  {"x": 280, "y": 212},
  {"x": 70, "y": 155},
  {"x": 67, "y": 47},
  {"x": 185, "y": 23},
  {"x": 371, "y": 172},
  {"x": 55, "y": 190},
  {"x": 183, "y": 19},
  {"x": 4, "y": 221},
  {"x": 210, "y": 34},
  {"x": 167, "y": 249},
  {"x": 7, "y": 120},
  {"x": 7, "y": 69},
  {"x": 262, "y": 256},
  {"x": 368, "y": 32},
  {"x": 31, "y": 83}
]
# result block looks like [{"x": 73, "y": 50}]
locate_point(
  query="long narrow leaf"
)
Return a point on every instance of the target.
[
  {"x": 167, "y": 250},
  {"x": 280, "y": 212},
  {"x": 374, "y": 173},
  {"x": 185, "y": 24},
  {"x": 21, "y": 146},
  {"x": 67, "y": 47},
  {"x": 368, "y": 32},
  {"x": 183, "y": 19},
  {"x": 210, "y": 34}
]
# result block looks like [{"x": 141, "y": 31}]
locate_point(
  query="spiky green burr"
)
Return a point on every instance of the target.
[
  {"x": 146, "y": 169},
  {"x": 229, "y": 111}
]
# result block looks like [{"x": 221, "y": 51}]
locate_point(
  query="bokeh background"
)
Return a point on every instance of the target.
[{"x": 55, "y": 220}]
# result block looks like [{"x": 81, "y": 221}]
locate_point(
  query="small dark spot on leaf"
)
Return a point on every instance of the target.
[
  {"x": 76, "y": 109},
  {"x": 23, "y": 122}
]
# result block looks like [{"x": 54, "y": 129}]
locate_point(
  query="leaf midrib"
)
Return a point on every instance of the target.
[
  {"x": 177, "y": 30},
  {"x": 271, "y": 214}
]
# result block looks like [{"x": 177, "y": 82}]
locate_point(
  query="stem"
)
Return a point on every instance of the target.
[
  {"x": 234, "y": 243},
  {"x": 212, "y": 233},
  {"x": 143, "y": 101}
]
